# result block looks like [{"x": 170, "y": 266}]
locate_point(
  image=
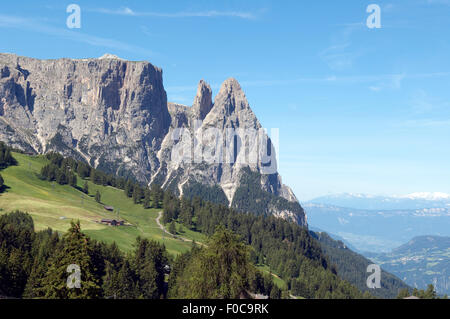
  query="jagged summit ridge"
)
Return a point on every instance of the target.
[
  {"x": 203, "y": 100},
  {"x": 231, "y": 98},
  {"x": 230, "y": 110}
]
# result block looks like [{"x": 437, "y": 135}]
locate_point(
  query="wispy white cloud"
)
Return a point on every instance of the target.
[
  {"x": 33, "y": 25},
  {"x": 375, "y": 88},
  {"x": 339, "y": 55},
  {"x": 393, "y": 82},
  {"x": 125, "y": 11}
]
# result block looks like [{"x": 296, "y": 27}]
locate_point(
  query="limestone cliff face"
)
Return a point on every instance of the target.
[
  {"x": 109, "y": 112},
  {"x": 114, "y": 114}
]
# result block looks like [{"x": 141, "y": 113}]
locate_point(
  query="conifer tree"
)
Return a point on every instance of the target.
[
  {"x": 147, "y": 199},
  {"x": 172, "y": 228},
  {"x": 129, "y": 188},
  {"x": 403, "y": 293},
  {"x": 157, "y": 194},
  {"x": 137, "y": 194},
  {"x": 98, "y": 197},
  {"x": 126, "y": 281},
  {"x": 219, "y": 271},
  {"x": 76, "y": 249},
  {"x": 86, "y": 187}
]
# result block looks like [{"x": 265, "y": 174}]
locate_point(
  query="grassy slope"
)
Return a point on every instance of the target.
[
  {"x": 48, "y": 202},
  {"x": 277, "y": 280}
]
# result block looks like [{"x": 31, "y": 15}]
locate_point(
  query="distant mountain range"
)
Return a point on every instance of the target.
[
  {"x": 421, "y": 261},
  {"x": 378, "y": 230},
  {"x": 370, "y": 202},
  {"x": 377, "y": 227}
]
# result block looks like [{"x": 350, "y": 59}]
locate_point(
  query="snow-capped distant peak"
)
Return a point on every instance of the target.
[{"x": 428, "y": 196}]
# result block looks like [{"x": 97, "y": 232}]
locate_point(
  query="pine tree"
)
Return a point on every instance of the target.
[
  {"x": 72, "y": 179},
  {"x": 137, "y": 194},
  {"x": 126, "y": 281},
  {"x": 148, "y": 264},
  {"x": 172, "y": 228},
  {"x": 147, "y": 199},
  {"x": 157, "y": 194},
  {"x": 110, "y": 281},
  {"x": 17, "y": 274},
  {"x": 403, "y": 293},
  {"x": 83, "y": 170},
  {"x": 16, "y": 238},
  {"x": 76, "y": 249},
  {"x": 61, "y": 177},
  {"x": 430, "y": 293},
  {"x": 219, "y": 271},
  {"x": 44, "y": 246},
  {"x": 128, "y": 188},
  {"x": 86, "y": 187}
]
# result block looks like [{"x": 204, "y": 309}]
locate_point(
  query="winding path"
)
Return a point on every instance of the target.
[{"x": 169, "y": 233}]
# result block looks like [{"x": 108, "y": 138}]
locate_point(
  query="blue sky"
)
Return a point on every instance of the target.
[{"x": 359, "y": 110}]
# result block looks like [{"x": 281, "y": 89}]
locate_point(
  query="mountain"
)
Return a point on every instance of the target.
[
  {"x": 421, "y": 261},
  {"x": 114, "y": 114},
  {"x": 364, "y": 201},
  {"x": 378, "y": 230},
  {"x": 352, "y": 267}
]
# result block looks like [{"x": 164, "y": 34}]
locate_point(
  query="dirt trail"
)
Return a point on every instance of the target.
[{"x": 174, "y": 236}]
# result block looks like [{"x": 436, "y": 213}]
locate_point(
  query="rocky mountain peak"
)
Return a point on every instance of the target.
[
  {"x": 231, "y": 97},
  {"x": 203, "y": 100},
  {"x": 110, "y": 56},
  {"x": 230, "y": 85}
]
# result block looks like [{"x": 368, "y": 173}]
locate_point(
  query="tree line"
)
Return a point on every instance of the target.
[
  {"x": 65, "y": 171},
  {"x": 429, "y": 293},
  {"x": 6, "y": 159}
]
